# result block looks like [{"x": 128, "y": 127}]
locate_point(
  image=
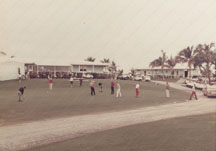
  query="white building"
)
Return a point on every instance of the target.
[
  {"x": 10, "y": 69},
  {"x": 179, "y": 71}
]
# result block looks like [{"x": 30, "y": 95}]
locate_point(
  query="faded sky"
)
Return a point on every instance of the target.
[{"x": 131, "y": 32}]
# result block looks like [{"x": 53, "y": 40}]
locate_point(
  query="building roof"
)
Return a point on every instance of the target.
[
  {"x": 90, "y": 63},
  {"x": 182, "y": 66}
]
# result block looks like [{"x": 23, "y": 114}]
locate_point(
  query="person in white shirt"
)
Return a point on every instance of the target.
[
  {"x": 137, "y": 90},
  {"x": 193, "y": 92},
  {"x": 20, "y": 77},
  {"x": 71, "y": 81},
  {"x": 118, "y": 92}
]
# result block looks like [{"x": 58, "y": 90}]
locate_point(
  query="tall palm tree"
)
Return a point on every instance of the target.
[
  {"x": 187, "y": 56},
  {"x": 160, "y": 62},
  {"x": 171, "y": 63},
  {"x": 207, "y": 57},
  {"x": 105, "y": 60},
  {"x": 132, "y": 72},
  {"x": 120, "y": 72},
  {"x": 90, "y": 59},
  {"x": 113, "y": 69}
]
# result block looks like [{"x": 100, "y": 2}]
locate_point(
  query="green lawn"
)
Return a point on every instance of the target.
[
  {"x": 41, "y": 103},
  {"x": 193, "y": 133}
]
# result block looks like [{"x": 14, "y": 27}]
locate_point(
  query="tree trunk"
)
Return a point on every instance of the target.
[
  {"x": 189, "y": 65},
  {"x": 208, "y": 72},
  {"x": 162, "y": 71}
]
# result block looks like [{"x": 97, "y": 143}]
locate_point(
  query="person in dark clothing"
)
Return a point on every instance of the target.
[
  {"x": 112, "y": 87},
  {"x": 101, "y": 86},
  {"x": 21, "y": 93}
]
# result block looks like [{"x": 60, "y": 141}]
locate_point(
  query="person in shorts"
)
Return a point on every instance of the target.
[{"x": 71, "y": 81}]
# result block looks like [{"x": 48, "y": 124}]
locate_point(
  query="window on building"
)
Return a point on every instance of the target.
[
  {"x": 30, "y": 68},
  {"x": 83, "y": 68}
]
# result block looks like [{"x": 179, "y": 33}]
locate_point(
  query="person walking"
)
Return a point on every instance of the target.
[
  {"x": 71, "y": 81},
  {"x": 193, "y": 93},
  {"x": 92, "y": 86},
  {"x": 137, "y": 90},
  {"x": 21, "y": 93},
  {"x": 50, "y": 82},
  {"x": 167, "y": 90},
  {"x": 112, "y": 87},
  {"x": 118, "y": 92}
]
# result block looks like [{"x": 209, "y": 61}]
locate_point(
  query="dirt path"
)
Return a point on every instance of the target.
[{"x": 27, "y": 135}]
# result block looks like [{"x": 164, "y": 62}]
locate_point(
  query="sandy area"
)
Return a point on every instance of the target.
[{"x": 27, "y": 135}]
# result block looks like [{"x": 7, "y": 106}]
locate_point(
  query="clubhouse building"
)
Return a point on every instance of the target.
[{"x": 98, "y": 70}]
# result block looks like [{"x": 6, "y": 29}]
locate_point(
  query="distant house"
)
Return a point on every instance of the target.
[{"x": 180, "y": 71}]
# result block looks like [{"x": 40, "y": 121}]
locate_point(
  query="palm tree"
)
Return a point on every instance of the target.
[
  {"x": 206, "y": 56},
  {"x": 113, "y": 69},
  {"x": 171, "y": 63},
  {"x": 160, "y": 62},
  {"x": 105, "y": 60},
  {"x": 120, "y": 72},
  {"x": 90, "y": 59},
  {"x": 132, "y": 72},
  {"x": 187, "y": 56}
]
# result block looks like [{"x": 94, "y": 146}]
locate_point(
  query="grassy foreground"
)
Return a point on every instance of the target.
[
  {"x": 41, "y": 103},
  {"x": 193, "y": 133}
]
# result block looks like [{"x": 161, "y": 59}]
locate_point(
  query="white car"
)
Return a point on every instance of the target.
[
  {"x": 209, "y": 90},
  {"x": 137, "y": 78},
  {"x": 88, "y": 76},
  {"x": 147, "y": 78}
]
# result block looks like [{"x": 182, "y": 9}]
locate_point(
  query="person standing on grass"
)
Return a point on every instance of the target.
[
  {"x": 71, "y": 81},
  {"x": 50, "y": 82},
  {"x": 92, "y": 86},
  {"x": 193, "y": 92},
  {"x": 167, "y": 90},
  {"x": 21, "y": 93},
  {"x": 81, "y": 81},
  {"x": 112, "y": 87},
  {"x": 20, "y": 77},
  {"x": 137, "y": 90},
  {"x": 118, "y": 92}
]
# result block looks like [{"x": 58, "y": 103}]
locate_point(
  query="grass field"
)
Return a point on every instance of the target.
[
  {"x": 41, "y": 103},
  {"x": 193, "y": 133}
]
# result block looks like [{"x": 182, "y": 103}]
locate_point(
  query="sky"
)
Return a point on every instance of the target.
[{"x": 130, "y": 32}]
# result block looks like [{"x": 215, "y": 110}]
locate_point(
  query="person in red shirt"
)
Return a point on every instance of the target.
[
  {"x": 112, "y": 87},
  {"x": 50, "y": 82},
  {"x": 92, "y": 86},
  {"x": 81, "y": 81}
]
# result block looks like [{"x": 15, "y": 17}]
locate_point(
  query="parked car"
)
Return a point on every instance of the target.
[
  {"x": 147, "y": 78},
  {"x": 88, "y": 76},
  {"x": 209, "y": 90},
  {"x": 137, "y": 78},
  {"x": 123, "y": 77}
]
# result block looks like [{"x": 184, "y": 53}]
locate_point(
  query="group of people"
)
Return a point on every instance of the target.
[{"x": 113, "y": 84}]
